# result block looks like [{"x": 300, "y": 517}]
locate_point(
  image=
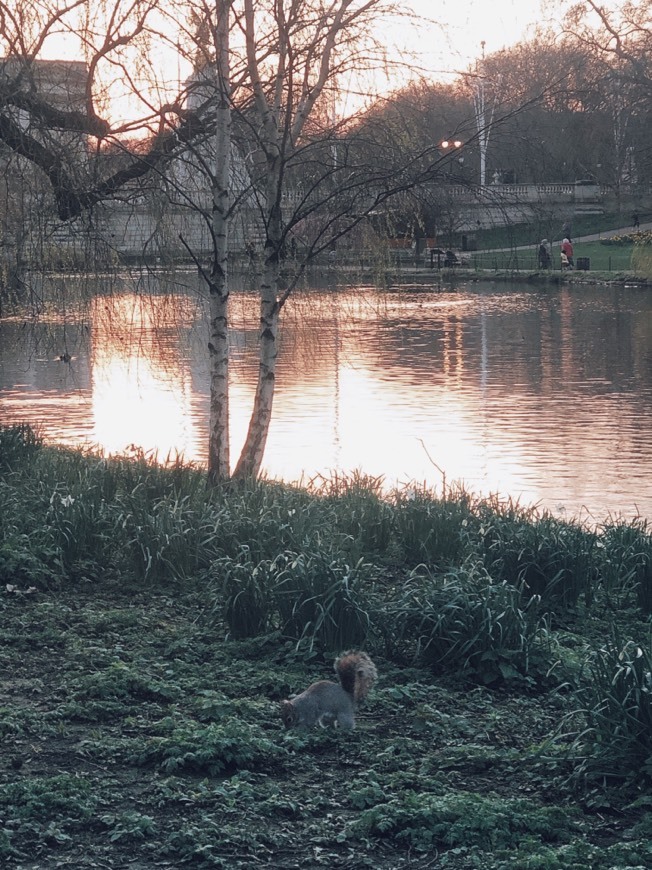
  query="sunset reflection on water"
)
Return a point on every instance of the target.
[
  {"x": 141, "y": 389},
  {"x": 542, "y": 397}
]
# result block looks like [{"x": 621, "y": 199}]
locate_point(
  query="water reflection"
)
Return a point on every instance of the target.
[
  {"x": 545, "y": 396},
  {"x": 141, "y": 387}
]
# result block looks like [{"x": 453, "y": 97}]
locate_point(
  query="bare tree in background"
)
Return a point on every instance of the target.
[
  {"x": 619, "y": 42},
  {"x": 623, "y": 34},
  {"x": 275, "y": 68}
]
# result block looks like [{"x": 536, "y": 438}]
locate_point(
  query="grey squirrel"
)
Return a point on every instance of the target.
[{"x": 325, "y": 702}]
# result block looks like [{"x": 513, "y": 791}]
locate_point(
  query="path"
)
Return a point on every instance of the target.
[{"x": 592, "y": 237}]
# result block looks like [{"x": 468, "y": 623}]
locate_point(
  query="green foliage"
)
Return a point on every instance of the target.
[
  {"x": 321, "y": 599},
  {"x": 268, "y": 519},
  {"x": 308, "y": 596},
  {"x": 18, "y": 446},
  {"x": 46, "y": 798},
  {"x": 366, "y": 794},
  {"x": 23, "y": 563},
  {"x": 177, "y": 753},
  {"x": 45, "y": 810},
  {"x": 625, "y": 563},
  {"x": 163, "y": 537},
  {"x": 424, "y": 822},
  {"x": 244, "y": 593},
  {"x": 322, "y": 568},
  {"x": 128, "y": 826},
  {"x": 80, "y": 529},
  {"x": 464, "y": 622},
  {"x": 617, "y": 742},
  {"x": 541, "y": 555},
  {"x": 430, "y": 529},
  {"x": 360, "y": 510},
  {"x": 208, "y": 749},
  {"x": 123, "y": 681}
]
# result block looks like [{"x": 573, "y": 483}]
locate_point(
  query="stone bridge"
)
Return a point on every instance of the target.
[{"x": 470, "y": 208}]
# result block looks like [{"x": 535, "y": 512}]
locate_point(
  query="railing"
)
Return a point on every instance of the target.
[
  {"x": 526, "y": 192},
  {"x": 570, "y": 191}
]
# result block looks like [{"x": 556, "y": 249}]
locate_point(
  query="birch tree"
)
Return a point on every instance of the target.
[
  {"x": 219, "y": 448},
  {"x": 276, "y": 68},
  {"x": 294, "y": 53}
]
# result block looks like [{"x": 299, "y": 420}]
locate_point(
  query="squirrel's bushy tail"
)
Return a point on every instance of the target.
[{"x": 357, "y": 674}]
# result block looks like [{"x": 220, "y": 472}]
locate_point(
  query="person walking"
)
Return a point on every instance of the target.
[
  {"x": 544, "y": 255},
  {"x": 567, "y": 252},
  {"x": 635, "y": 221}
]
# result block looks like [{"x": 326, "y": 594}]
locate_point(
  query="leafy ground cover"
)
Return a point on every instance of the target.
[
  {"x": 149, "y": 629},
  {"x": 136, "y": 735}
]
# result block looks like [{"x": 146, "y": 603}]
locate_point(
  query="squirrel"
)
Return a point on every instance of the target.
[{"x": 326, "y": 703}]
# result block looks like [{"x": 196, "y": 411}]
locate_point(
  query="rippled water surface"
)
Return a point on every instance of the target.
[{"x": 543, "y": 395}]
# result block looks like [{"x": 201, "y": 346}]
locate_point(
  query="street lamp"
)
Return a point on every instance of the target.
[{"x": 452, "y": 145}]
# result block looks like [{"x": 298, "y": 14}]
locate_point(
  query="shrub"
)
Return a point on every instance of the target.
[
  {"x": 625, "y": 563},
  {"x": 642, "y": 253},
  {"x": 432, "y": 530},
  {"x": 462, "y": 621},
  {"x": 617, "y": 742},
  {"x": 541, "y": 555}
]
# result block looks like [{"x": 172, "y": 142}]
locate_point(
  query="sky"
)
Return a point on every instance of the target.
[
  {"x": 455, "y": 41},
  {"x": 449, "y": 38}
]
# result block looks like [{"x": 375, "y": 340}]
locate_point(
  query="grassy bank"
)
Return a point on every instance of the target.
[
  {"x": 603, "y": 258},
  {"x": 150, "y": 628},
  {"x": 516, "y": 235}
]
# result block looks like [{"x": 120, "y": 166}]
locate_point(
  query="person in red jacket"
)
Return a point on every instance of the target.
[{"x": 567, "y": 250}]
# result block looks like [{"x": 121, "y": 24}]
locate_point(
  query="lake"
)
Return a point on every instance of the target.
[{"x": 544, "y": 395}]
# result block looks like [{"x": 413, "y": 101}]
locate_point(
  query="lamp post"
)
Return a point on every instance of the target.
[{"x": 452, "y": 145}]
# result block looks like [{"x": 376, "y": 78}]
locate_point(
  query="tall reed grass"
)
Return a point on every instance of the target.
[
  {"x": 625, "y": 562},
  {"x": 461, "y": 620},
  {"x": 435, "y": 531},
  {"x": 310, "y": 597},
  {"x": 460, "y": 582},
  {"x": 539, "y": 554},
  {"x": 617, "y": 741}
]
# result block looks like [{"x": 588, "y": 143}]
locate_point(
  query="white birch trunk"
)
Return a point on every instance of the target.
[
  {"x": 219, "y": 456},
  {"x": 253, "y": 450},
  {"x": 281, "y": 123}
]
